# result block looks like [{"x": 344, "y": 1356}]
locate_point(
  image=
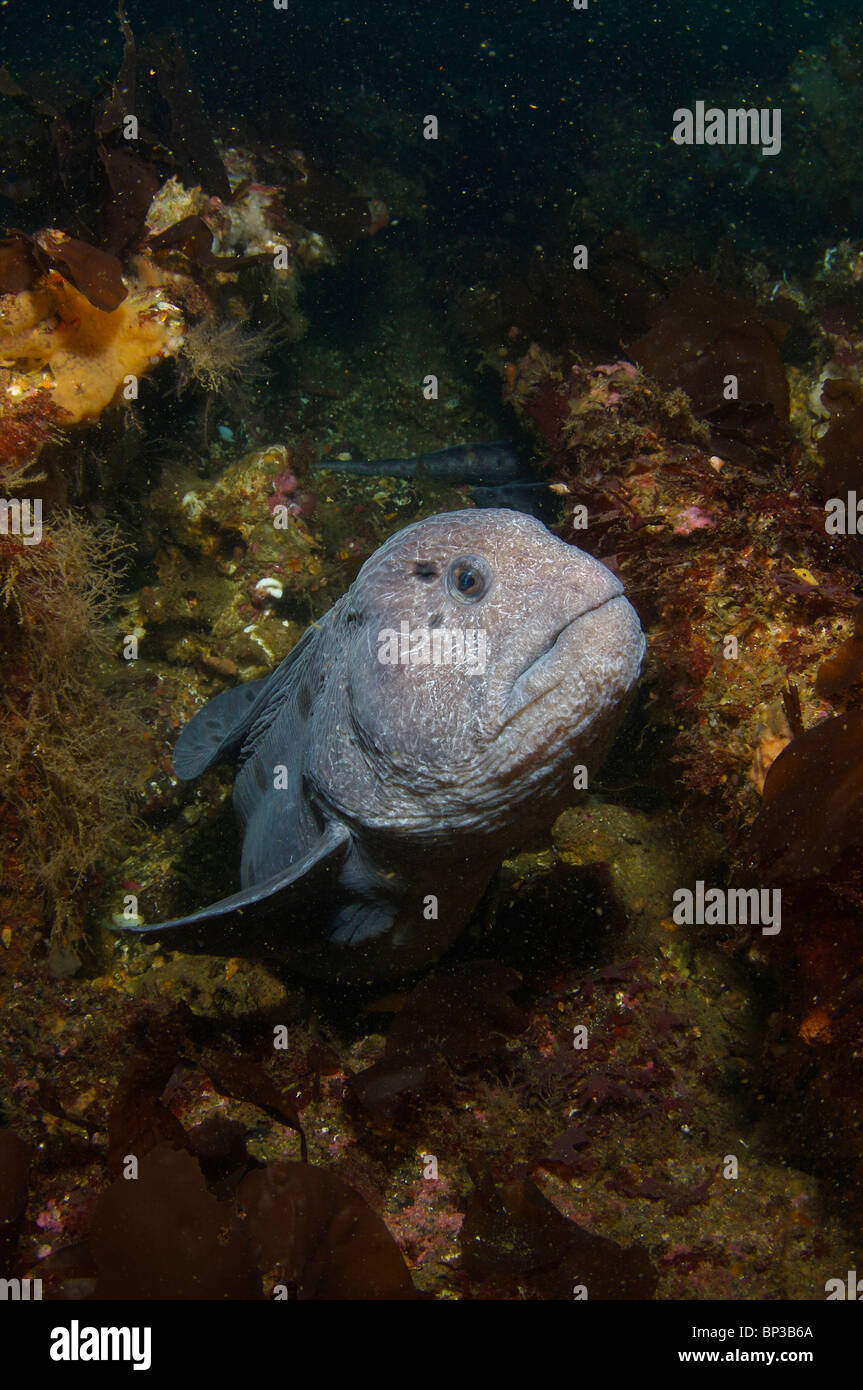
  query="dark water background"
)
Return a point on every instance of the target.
[
  {"x": 535, "y": 85},
  {"x": 635, "y": 51}
]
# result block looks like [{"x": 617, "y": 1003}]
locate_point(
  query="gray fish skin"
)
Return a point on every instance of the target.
[
  {"x": 411, "y": 782},
  {"x": 488, "y": 465}
]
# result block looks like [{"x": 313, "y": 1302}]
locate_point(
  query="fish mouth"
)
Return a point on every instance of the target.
[
  {"x": 533, "y": 684},
  {"x": 555, "y": 637}
]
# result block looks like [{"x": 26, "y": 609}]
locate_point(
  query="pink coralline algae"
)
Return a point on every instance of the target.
[
  {"x": 692, "y": 519},
  {"x": 283, "y": 485},
  {"x": 609, "y": 368}
]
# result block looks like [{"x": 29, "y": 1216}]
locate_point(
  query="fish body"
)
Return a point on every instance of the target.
[
  {"x": 532, "y": 496},
  {"x": 383, "y": 774},
  {"x": 489, "y": 465}
]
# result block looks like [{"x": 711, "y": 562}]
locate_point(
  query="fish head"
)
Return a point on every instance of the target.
[{"x": 487, "y": 657}]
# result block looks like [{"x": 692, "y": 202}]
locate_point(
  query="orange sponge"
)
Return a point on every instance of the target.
[{"x": 53, "y": 338}]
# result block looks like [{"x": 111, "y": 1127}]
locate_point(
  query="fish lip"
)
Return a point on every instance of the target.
[
  {"x": 522, "y": 706},
  {"x": 564, "y": 627}
]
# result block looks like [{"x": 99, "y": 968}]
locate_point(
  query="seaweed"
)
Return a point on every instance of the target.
[
  {"x": 838, "y": 673},
  {"x": 219, "y": 1145},
  {"x": 700, "y": 334},
  {"x": 841, "y": 445},
  {"x": 246, "y": 1080},
  {"x": 457, "y": 1014},
  {"x": 19, "y": 268},
  {"x": 812, "y": 811},
  {"x": 319, "y": 1237},
  {"x": 98, "y": 275},
  {"x": 166, "y": 1236},
  {"x": 676, "y": 1198},
  {"x": 512, "y": 1229},
  {"x": 139, "y": 1121},
  {"x": 24, "y": 260},
  {"x": 69, "y": 751},
  {"x": 193, "y": 239},
  {"x": 564, "y": 1152},
  {"x": 222, "y": 357},
  {"x": 92, "y": 182}
]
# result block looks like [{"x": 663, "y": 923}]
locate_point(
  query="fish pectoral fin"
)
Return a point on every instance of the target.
[
  {"x": 361, "y": 921},
  {"x": 325, "y": 855},
  {"x": 230, "y": 724},
  {"x": 216, "y": 729}
]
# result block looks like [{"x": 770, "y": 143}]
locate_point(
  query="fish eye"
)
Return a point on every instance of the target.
[{"x": 467, "y": 578}]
